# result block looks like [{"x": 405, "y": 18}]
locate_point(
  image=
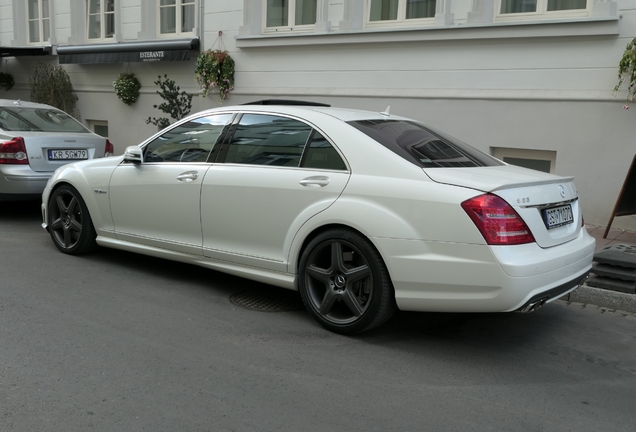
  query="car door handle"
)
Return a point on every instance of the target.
[
  {"x": 188, "y": 176},
  {"x": 318, "y": 181}
]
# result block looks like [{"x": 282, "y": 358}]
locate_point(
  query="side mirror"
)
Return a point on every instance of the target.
[{"x": 133, "y": 154}]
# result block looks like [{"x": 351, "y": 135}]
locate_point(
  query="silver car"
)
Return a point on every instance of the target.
[{"x": 36, "y": 139}]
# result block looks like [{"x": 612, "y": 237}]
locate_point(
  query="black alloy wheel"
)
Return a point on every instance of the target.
[
  {"x": 344, "y": 283},
  {"x": 70, "y": 224}
]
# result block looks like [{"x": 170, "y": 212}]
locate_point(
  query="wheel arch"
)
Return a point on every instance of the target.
[
  {"x": 321, "y": 296},
  {"x": 295, "y": 259},
  {"x": 78, "y": 181}
]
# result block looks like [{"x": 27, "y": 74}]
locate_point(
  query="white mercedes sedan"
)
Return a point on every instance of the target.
[{"x": 363, "y": 213}]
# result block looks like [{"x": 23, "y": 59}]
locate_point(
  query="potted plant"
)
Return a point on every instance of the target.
[
  {"x": 6, "y": 81},
  {"x": 627, "y": 72},
  {"x": 127, "y": 88},
  {"x": 214, "y": 71},
  {"x": 177, "y": 103},
  {"x": 51, "y": 85}
]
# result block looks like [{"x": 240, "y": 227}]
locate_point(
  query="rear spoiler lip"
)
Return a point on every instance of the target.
[
  {"x": 533, "y": 183},
  {"x": 491, "y": 179}
]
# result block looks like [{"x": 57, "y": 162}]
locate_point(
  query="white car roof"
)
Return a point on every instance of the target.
[{"x": 343, "y": 114}]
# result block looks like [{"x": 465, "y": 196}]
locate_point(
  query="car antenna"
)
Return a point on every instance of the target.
[{"x": 386, "y": 111}]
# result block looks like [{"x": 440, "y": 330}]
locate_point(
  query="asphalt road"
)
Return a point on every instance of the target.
[{"x": 119, "y": 342}]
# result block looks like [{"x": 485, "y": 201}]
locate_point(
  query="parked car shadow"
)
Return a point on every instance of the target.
[
  {"x": 20, "y": 211},
  {"x": 492, "y": 332}
]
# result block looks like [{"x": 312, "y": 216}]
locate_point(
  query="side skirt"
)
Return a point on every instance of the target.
[{"x": 283, "y": 280}]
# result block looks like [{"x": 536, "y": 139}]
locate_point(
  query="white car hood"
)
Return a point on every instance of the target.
[{"x": 489, "y": 179}]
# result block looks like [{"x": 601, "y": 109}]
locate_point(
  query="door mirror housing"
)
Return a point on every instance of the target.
[{"x": 133, "y": 154}]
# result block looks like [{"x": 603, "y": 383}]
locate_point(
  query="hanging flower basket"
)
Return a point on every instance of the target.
[
  {"x": 6, "y": 81},
  {"x": 627, "y": 72},
  {"x": 127, "y": 88},
  {"x": 214, "y": 71}
]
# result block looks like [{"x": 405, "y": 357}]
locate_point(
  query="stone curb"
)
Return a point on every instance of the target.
[{"x": 602, "y": 297}]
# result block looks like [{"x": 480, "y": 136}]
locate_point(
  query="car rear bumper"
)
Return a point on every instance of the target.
[
  {"x": 21, "y": 180},
  {"x": 455, "y": 277}
]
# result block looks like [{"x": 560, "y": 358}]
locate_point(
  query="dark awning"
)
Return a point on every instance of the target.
[
  {"x": 124, "y": 52},
  {"x": 24, "y": 51}
]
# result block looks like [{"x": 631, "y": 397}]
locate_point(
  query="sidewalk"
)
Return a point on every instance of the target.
[{"x": 602, "y": 297}]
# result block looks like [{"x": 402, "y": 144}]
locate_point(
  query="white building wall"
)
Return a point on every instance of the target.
[
  {"x": 544, "y": 87},
  {"x": 131, "y": 19},
  {"x": 6, "y": 22}
]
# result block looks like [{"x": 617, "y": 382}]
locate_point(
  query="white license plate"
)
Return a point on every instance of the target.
[
  {"x": 68, "y": 154},
  {"x": 558, "y": 216}
]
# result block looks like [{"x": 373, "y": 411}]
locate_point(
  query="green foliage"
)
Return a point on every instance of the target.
[
  {"x": 627, "y": 72},
  {"x": 127, "y": 87},
  {"x": 177, "y": 103},
  {"x": 6, "y": 81},
  {"x": 51, "y": 85},
  {"x": 214, "y": 71}
]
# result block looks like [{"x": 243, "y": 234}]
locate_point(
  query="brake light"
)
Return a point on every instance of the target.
[
  {"x": 109, "y": 150},
  {"x": 497, "y": 221},
  {"x": 13, "y": 152}
]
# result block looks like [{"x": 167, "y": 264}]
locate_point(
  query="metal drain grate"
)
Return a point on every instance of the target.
[{"x": 268, "y": 300}]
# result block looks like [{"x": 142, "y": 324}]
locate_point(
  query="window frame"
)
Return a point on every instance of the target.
[
  {"x": 40, "y": 20},
  {"x": 93, "y": 123},
  {"x": 542, "y": 12},
  {"x": 401, "y": 20},
  {"x": 178, "y": 18},
  {"x": 102, "y": 14},
  {"x": 229, "y": 136},
  {"x": 531, "y": 154},
  {"x": 291, "y": 18},
  {"x": 212, "y": 153}
]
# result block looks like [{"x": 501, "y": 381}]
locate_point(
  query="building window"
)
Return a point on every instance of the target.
[
  {"x": 101, "y": 19},
  {"x": 290, "y": 14},
  {"x": 400, "y": 10},
  {"x": 540, "y": 7},
  {"x": 176, "y": 16},
  {"x": 39, "y": 22},
  {"x": 540, "y": 160},
  {"x": 100, "y": 127}
]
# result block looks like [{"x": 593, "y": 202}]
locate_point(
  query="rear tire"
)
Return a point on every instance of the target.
[
  {"x": 344, "y": 283},
  {"x": 70, "y": 224}
]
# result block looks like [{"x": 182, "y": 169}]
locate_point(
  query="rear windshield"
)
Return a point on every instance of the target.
[
  {"x": 29, "y": 119},
  {"x": 423, "y": 146}
]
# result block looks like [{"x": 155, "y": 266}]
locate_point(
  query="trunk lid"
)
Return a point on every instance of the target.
[
  {"x": 545, "y": 202},
  {"x": 49, "y": 150}
]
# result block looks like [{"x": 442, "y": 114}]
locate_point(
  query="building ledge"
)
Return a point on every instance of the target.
[{"x": 596, "y": 26}]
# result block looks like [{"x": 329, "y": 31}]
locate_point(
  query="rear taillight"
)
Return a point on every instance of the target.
[
  {"x": 109, "y": 150},
  {"x": 497, "y": 221},
  {"x": 13, "y": 152}
]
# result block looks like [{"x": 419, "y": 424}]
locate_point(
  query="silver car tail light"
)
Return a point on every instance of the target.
[
  {"x": 109, "y": 150},
  {"x": 13, "y": 152}
]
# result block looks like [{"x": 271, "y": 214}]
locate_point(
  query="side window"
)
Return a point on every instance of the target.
[
  {"x": 267, "y": 140},
  {"x": 290, "y": 14},
  {"x": 176, "y": 16},
  {"x": 400, "y": 11},
  {"x": 321, "y": 154},
  {"x": 38, "y": 21},
  {"x": 190, "y": 142},
  {"x": 101, "y": 19}
]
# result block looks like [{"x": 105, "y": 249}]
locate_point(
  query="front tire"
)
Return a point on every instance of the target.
[
  {"x": 344, "y": 283},
  {"x": 70, "y": 224}
]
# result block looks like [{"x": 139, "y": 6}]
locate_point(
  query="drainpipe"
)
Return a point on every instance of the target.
[{"x": 201, "y": 32}]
